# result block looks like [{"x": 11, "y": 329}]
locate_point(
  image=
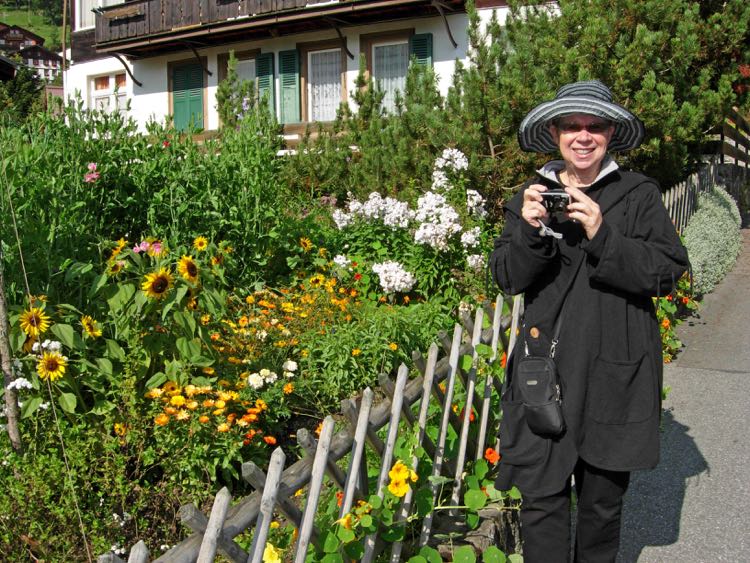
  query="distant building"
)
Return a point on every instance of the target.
[{"x": 17, "y": 41}]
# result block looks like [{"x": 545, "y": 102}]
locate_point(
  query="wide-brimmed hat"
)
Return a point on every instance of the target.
[{"x": 590, "y": 97}]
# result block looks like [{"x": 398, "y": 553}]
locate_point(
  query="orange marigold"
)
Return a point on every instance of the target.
[{"x": 270, "y": 440}]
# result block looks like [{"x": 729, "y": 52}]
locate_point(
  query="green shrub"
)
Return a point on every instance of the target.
[{"x": 713, "y": 238}]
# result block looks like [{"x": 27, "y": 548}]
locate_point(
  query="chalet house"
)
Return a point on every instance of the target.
[
  {"x": 167, "y": 57},
  {"x": 17, "y": 41}
]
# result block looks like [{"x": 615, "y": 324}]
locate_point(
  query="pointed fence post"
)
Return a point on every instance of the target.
[
  {"x": 267, "y": 503},
  {"x": 489, "y": 379},
  {"x": 139, "y": 553},
  {"x": 316, "y": 484},
  {"x": 215, "y": 523},
  {"x": 358, "y": 446}
]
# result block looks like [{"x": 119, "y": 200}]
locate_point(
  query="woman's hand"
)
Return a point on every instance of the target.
[
  {"x": 533, "y": 210},
  {"x": 584, "y": 210}
]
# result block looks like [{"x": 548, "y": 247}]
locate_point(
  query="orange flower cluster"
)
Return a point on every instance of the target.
[{"x": 223, "y": 407}]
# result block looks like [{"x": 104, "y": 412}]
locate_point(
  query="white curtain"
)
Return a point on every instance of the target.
[
  {"x": 389, "y": 64},
  {"x": 85, "y": 15},
  {"x": 246, "y": 69},
  {"x": 324, "y": 84}
]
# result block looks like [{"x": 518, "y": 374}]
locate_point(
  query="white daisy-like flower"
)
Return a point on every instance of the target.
[
  {"x": 289, "y": 365},
  {"x": 255, "y": 381},
  {"x": 476, "y": 262}
]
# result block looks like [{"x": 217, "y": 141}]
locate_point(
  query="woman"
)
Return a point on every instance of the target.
[{"x": 604, "y": 256}]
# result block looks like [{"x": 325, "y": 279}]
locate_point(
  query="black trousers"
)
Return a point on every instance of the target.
[{"x": 545, "y": 521}]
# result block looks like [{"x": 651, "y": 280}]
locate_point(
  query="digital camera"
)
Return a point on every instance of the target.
[{"x": 555, "y": 201}]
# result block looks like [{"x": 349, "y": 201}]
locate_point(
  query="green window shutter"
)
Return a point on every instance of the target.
[
  {"x": 187, "y": 96},
  {"x": 264, "y": 78},
  {"x": 420, "y": 46},
  {"x": 289, "y": 86}
]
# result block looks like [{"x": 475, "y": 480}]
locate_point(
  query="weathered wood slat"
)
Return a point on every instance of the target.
[
  {"x": 424, "y": 405},
  {"x": 194, "y": 519},
  {"x": 440, "y": 454},
  {"x": 219, "y": 509},
  {"x": 489, "y": 381},
  {"x": 349, "y": 408},
  {"x": 463, "y": 441},
  {"x": 390, "y": 444},
  {"x": 313, "y": 494},
  {"x": 139, "y": 553},
  {"x": 267, "y": 503},
  {"x": 109, "y": 558},
  {"x": 358, "y": 447}
]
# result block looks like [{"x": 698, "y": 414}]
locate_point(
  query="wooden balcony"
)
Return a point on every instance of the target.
[{"x": 142, "y": 28}]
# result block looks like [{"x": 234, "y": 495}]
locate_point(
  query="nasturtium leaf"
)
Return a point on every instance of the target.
[
  {"x": 493, "y": 493},
  {"x": 481, "y": 468},
  {"x": 493, "y": 555},
  {"x": 332, "y": 558},
  {"x": 365, "y": 521},
  {"x": 417, "y": 559},
  {"x": 464, "y": 554},
  {"x": 375, "y": 501},
  {"x": 472, "y": 482},
  {"x": 483, "y": 350},
  {"x": 67, "y": 402},
  {"x": 331, "y": 543},
  {"x": 431, "y": 554},
  {"x": 472, "y": 520},
  {"x": 393, "y": 534},
  {"x": 466, "y": 362},
  {"x": 515, "y": 558},
  {"x": 475, "y": 499},
  {"x": 345, "y": 534},
  {"x": 355, "y": 550},
  {"x": 423, "y": 502},
  {"x": 514, "y": 493}
]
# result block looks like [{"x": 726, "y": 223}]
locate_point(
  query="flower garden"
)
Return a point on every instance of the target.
[{"x": 177, "y": 307}]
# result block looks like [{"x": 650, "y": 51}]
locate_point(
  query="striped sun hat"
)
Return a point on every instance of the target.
[{"x": 590, "y": 97}]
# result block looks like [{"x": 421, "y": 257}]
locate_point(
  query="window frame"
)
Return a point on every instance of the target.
[
  {"x": 112, "y": 92},
  {"x": 170, "y": 86},
  {"x": 304, "y": 52}
]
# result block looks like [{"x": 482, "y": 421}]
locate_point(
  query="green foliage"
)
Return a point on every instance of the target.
[
  {"x": 713, "y": 238},
  {"x": 20, "y": 96},
  {"x": 234, "y": 97}
]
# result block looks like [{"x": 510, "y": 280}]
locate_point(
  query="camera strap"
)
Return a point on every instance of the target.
[{"x": 545, "y": 231}]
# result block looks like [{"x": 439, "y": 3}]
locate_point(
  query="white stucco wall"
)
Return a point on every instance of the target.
[{"x": 151, "y": 101}]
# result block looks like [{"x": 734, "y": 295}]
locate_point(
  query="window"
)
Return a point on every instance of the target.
[
  {"x": 390, "y": 61},
  {"x": 322, "y": 80},
  {"x": 85, "y": 15},
  {"x": 109, "y": 93},
  {"x": 323, "y": 84},
  {"x": 186, "y": 87},
  {"x": 387, "y": 57}
]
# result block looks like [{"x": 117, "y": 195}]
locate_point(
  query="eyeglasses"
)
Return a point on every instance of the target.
[{"x": 596, "y": 128}]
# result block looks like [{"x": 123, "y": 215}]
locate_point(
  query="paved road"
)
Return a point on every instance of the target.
[{"x": 695, "y": 506}]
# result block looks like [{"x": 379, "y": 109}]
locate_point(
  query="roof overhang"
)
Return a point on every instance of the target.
[{"x": 314, "y": 17}]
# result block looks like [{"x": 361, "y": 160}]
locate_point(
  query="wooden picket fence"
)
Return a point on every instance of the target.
[
  {"x": 682, "y": 198},
  {"x": 275, "y": 490}
]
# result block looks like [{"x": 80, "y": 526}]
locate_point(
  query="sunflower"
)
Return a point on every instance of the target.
[
  {"x": 156, "y": 284},
  {"x": 200, "y": 243},
  {"x": 116, "y": 267},
  {"x": 51, "y": 365},
  {"x": 34, "y": 322},
  {"x": 306, "y": 244},
  {"x": 188, "y": 269},
  {"x": 91, "y": 327}
]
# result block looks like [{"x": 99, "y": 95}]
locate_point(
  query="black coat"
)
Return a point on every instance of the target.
[{"x": 609, "y": 354}]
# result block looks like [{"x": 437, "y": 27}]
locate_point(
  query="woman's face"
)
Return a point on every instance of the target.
[{"x": 583, "y": 140}]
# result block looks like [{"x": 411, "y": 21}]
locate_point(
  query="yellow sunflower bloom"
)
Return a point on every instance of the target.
[
  {"x": 91, "y": 327},
  {"x": 188, "y": 269},
  {"x": 156, "y": 284},
  {"x": 200, "y": 243},
  {"x": 306, "y": 244},
  {"x": 51, "y": 365},
  {"x": 34, "y": 322},
  {"x": 116, "y": 267}
]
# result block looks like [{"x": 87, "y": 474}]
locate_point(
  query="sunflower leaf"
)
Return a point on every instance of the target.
[
  {"x": 67, "y": 336},
  {"x": 67, "y": 402}
]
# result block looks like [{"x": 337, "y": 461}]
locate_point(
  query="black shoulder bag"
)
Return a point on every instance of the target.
[{"x": 539, "y": 386}]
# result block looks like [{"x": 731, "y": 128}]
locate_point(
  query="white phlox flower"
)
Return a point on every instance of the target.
[
  {"x": 475, "y": 203},
  {"x": 393, "y": 277},
  {"x": 476, "y": 262},
  {"x": 439, "y": 221},
  {"x": 341, "y": 218},
  {"x": 20, "y": 383},
  {"x": 452, "y": 159},
  {"x": 341, "y": 261},
  {"x": 470, "y": 238},
  {"x": 396, "y": 213},
  {"x": 289, "y": 365},
  {"x": 440, "y": 182}
]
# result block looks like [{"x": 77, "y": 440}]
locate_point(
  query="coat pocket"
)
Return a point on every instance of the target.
[
  {"x": 621, "y": 392},
  {"x": 518, "y": 444}
]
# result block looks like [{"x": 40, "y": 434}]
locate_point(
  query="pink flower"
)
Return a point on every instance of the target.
[
  {"x": 92, "y": 174},
  {"x": 143, "y": 247},
  {"x": 156, "y": 248}
]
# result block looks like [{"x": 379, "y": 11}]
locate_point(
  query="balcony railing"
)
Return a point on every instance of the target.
[{"x": 143, "y": 18}]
